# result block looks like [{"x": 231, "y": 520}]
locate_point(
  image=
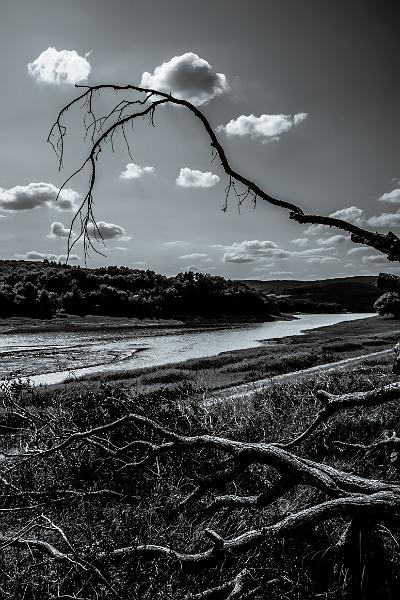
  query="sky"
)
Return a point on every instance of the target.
[{"x": 304, "y": 97}]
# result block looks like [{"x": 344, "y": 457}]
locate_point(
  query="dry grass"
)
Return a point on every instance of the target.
[{"x": 146, "y": 511}]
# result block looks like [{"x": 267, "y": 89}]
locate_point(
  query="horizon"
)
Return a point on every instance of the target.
[{"x": 292, "y": 280}]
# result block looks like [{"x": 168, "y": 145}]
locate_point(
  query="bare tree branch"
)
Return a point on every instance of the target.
[
  {"x": 388, "y": 244},
  {"x": 336, "y": 403}
]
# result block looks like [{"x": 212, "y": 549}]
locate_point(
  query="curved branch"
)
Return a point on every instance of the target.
[
  {"x": 335, "y": 403},
  {"x": 388, "y": 244},
  {"x": 375, "y": 504}
]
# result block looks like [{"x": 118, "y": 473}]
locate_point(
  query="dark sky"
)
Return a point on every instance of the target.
[{"x": 310, "y": 91}]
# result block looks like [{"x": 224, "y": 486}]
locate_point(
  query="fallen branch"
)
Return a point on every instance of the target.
[{"x": 335, "y": 403}]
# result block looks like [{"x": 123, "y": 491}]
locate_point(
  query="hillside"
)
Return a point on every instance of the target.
[
  {"x": 44, "y": 289},
  {"x": 355, "y": 294}
]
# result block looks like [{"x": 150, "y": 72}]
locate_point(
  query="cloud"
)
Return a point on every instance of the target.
[
  {"x": 349, "y": 265},
  {"x": 108, "y": 231},
  {"x": 133, "y": 171},
  {"x": 334, "y": 239},
  {"x": 35, "y": 195},
  {"x": 34, "y": 255},
  {"x": 282, "y": 273},
  {"x": 321, "y": 259},
  {"x": 194, "y": 256},
  {"x": 315, "y": 230},
  {"x": 385, "y": 220},
  {"x": 57, "y": 230},
  {"x": 238, "y": 259},
  {"x": 122, "y": 248},
  {"x": 56, "y": 67},
  {"x": 192, "y": 178},
  {"x": 351, "y": 214},
  {"x": 177, "y": 243},
  {"x": 301, "y": 242},
  {"x": 393, "y": 197},
  {"x": 375, "y": 258},
  {"x": 313, "y": 251},
  {"x": 358, "y": 250},
  {"x": 264, "y": 127},
  {"x": 187, "y": 77},
  {"x": 253, "y": 250}
]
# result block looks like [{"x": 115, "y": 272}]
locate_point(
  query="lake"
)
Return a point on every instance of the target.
[{"x": 53, "y": 357}]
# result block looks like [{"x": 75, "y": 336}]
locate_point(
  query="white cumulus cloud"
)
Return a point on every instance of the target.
[
  {"x": 393, "y": 196},
  {"x": 35, "y": 195},
  {"x": 358, "y": 250},
  {"x": 108, "y": 231},
  {"x": 351, "y": 214},
  {"x": 133, "y": 171},
  {"x": 385, "y": 220},
  {"x": 193, "y": 178},
  {"x": 56, "y": 67},
  {"x": 378, "y": 259},
  {"x": 334, "y": 239},
  {"x": 253, "y": 250},
  {"x": 187, "y": 77},
  {"x": 264, "y": 127},
  {"x": 58, "y": 230}
]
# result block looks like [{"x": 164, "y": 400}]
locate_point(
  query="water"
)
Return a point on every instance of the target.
[{"x": 51, "y": 357}]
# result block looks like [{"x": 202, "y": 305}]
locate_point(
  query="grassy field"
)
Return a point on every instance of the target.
[{"x": 142, "y": 505}]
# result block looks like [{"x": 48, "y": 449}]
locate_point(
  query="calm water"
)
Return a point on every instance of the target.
[{"x": 52, "y": 357}]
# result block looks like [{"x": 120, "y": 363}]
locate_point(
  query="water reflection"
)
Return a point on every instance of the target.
[{"x": 51, "y": 357}]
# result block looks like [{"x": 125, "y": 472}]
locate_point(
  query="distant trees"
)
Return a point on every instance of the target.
[
  {"x": 42, "y": 289},
  {"x": 388, "y": 304}
]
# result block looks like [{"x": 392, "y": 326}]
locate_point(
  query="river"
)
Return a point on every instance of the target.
[{"x": 53, "y": 357}]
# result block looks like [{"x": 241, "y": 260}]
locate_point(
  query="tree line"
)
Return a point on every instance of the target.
[{"x": 44, "y": 289}]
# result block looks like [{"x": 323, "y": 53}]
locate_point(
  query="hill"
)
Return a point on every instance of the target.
[
  {"x": 355, "y": 294},
  {"x": 44, "y": 289}
]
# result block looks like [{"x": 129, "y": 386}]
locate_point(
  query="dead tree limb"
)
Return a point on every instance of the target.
[
  {"x": 334, "y": 403},
  {"x": 388, "y": 244}
]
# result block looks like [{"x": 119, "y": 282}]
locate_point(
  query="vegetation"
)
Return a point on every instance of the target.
[
  {"x": 388, "y": 304},
  {"x": 43, "y": 289},
  {"x": 88, "y": 482}
]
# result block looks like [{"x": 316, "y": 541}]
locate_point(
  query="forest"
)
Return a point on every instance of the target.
[{"x": 43, "y": 289}]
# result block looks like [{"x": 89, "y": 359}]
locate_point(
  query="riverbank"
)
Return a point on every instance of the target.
[
  {"x": 53, "y": 357},
  {"x": 204, "y": 376},
  {"x": 74, "y": 323}
]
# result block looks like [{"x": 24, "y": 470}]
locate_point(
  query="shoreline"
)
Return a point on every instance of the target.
[
  {"x": 74, "y": 323},
  {"x": 271, "y": 355}
]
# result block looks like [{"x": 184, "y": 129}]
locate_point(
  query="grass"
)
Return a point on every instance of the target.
[{"x": 147, "y": 511}]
